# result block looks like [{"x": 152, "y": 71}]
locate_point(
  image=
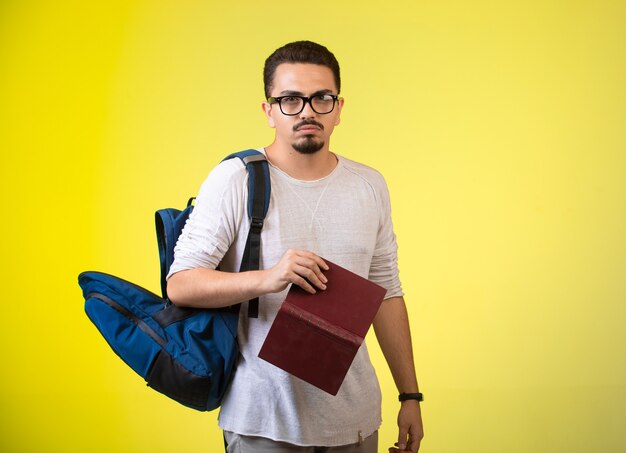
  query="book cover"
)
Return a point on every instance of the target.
[{"x": 316, "y": 336}]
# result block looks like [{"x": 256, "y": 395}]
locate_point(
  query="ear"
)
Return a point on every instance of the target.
[
  {"x": 339, "y": 107},
  {"x": 267, "y": 109}
]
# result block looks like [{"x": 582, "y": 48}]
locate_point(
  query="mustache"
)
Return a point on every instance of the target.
[{"x": 306, "y": 123}]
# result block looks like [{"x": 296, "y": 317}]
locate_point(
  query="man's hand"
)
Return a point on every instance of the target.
[
  {"x": 392, "y": 330},
  {"x": 299, "y": 267},
  {"x": 410, "y": 427}
]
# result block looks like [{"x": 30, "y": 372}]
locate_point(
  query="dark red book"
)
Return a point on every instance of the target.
[{"x": 316, "y": 336}]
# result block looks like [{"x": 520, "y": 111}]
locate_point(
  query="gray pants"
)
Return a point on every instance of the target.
[{"x": 251, "y": 444}]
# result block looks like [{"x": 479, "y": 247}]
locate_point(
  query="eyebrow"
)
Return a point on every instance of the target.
[{"x": 300, "y": 93}]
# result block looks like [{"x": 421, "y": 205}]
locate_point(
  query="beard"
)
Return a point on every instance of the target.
[{"x": 308, "y": 145}]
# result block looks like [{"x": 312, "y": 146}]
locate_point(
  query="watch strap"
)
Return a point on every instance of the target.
[{"x": 411, "y": 396}]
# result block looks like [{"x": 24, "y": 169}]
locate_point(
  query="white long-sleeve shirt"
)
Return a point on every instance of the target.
[{"x": 344, "y": 217}]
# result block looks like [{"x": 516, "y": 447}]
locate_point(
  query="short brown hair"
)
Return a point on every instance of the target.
[{"x": 299, "y": 52}]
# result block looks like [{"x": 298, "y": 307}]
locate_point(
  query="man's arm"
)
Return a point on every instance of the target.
[
  {"x": 208, "y": 288},
  {"x": 391, "y": 326}
]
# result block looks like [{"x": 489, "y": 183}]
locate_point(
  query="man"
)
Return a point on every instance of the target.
[{"x": 322, "y": 205}]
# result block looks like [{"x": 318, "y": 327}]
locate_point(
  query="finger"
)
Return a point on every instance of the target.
[
  {"x": 302, "y": 283},
  {"x": 320, "y": 275},
  {"x": 321, "y": 263},
  {"x": 402, "y": 438},
  {"x": 417, "y": 436},
  {"x": 414, "y": 443},
  {"x": 310, "y": 276},
  {"x": 316, "y": 258},
  {"x": 306, "y": 264},
  {"x": 313, "y": 262}
]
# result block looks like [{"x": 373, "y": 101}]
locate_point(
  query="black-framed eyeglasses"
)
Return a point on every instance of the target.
[{"x": 293, "y": 105}]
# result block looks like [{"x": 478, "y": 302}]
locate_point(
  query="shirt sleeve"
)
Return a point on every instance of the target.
[
  {"x": 213, "y": 224},
  {"x": 384, "y": 265}
]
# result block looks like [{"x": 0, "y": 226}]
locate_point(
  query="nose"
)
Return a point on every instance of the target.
[{"x": 307, "y": 111}]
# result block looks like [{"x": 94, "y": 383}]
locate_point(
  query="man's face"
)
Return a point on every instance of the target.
[{"x": 308, "y": 131}]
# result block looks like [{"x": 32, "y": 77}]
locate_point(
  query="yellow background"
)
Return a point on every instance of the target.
[{"x": 501, "y": 130}]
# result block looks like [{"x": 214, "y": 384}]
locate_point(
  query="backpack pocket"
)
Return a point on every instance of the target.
[{"x": 170, "y": 378}]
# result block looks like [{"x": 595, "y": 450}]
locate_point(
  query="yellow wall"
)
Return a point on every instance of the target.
[{"x": 500, "y": 127}]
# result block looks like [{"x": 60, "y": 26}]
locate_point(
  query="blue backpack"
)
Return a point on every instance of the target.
[{"x": 187, "y": 354}]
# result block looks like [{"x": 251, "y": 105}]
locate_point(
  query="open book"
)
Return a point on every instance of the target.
[{"x": 316, "y": 336}]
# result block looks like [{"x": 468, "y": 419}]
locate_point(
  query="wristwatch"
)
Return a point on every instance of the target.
[{"x": 411, "y": 396}]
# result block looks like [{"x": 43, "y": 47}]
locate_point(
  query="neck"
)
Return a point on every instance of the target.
[{"x": 305, "y": 167}]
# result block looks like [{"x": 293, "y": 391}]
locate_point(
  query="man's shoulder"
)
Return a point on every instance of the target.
[
  {"x": 228, "y": 176},
  {"x": 367, "y": 173},
  {"x": 229, "y": 170}
]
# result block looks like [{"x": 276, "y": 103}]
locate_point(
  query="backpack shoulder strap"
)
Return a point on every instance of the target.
[
  {"x": 170, "y": 222},
  {"x": 259, "y": 191},
  {"x": 259, "y": 186}
]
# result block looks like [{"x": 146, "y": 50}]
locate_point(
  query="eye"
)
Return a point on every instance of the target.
[
  {"x": 323, "y": 98},
  {"x": 291, "y": 100}
]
